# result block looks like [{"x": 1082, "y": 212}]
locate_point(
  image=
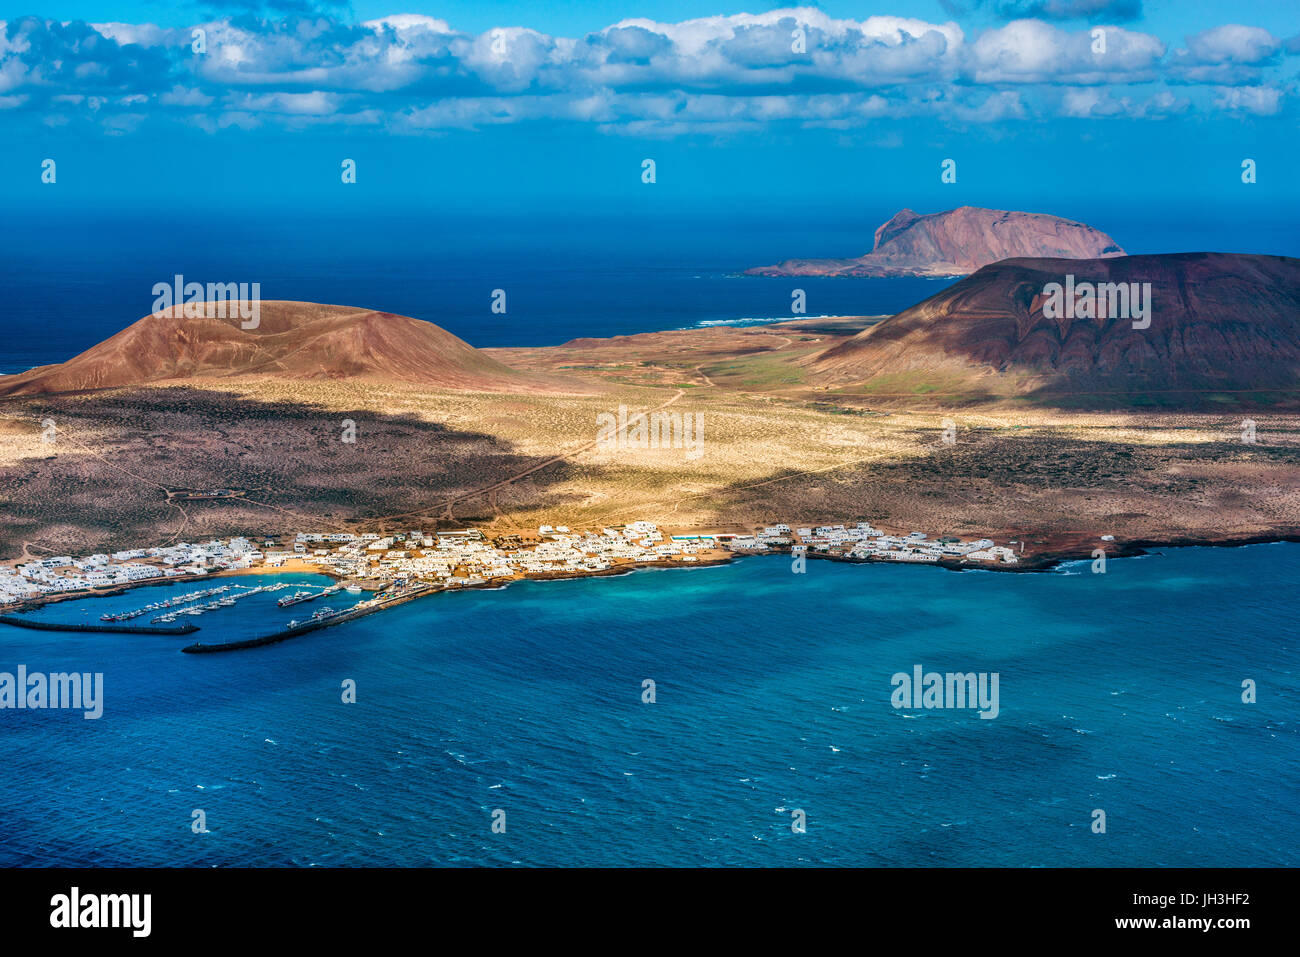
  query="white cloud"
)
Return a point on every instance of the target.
[
  {"x": 1229, "y": 55},
  {"x": 1030, "y": 51},
  {"x": 402, "y": 22},
  {"x": 181, "y": 96},
  {"x": 1257, "y": 100},
  {"x": 315, "y": 103},
  {"x": 144, "y": 34},
  {"x": 1232, "y": 43},
  {"x": 796, "y": 66}
]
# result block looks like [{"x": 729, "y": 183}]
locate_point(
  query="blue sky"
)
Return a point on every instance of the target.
[{"x": 527, "y": 104}]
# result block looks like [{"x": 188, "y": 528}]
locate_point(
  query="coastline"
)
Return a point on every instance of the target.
[
  {"x": 1043, "y": 561},
  {"x": 1047, "y": 561},
  {"x": 1133, "y": 548}
]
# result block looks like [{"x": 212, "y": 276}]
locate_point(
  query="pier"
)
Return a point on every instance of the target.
[
  {"x": 99, "y": 629},
  {"x": 198, "y": 648}
]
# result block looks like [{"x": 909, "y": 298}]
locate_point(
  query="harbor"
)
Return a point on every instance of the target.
[
  {"x": 305, "y": 595},
  {"x": 169, "y": 603},
  {"x": 196, "y": 603},
  {"x": 400, "y": 566},
  {"x": 295, "y": 628},
  {"x": 20, "y": 622},
  {"x": 178, "y": 613}
]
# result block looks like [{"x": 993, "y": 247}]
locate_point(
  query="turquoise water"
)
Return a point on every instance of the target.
[{"x": 1119, "y": 692}]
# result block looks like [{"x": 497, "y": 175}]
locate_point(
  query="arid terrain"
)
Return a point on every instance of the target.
[
  {"x": 289, "y": 340},
  {"x": 775, "y": 446},
  {"x": 1218, "y": 331}
]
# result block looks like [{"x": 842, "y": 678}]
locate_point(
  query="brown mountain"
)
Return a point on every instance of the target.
[
  {"x": 1220, "y": 323},
  {"x": 293, "y": 340},
  {"x": 957, "y": 243}
]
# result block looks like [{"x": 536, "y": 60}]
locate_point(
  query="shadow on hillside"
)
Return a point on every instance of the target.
[
  {"x": 1004, "y": 478},
  {"x": 113, "y": 451}
]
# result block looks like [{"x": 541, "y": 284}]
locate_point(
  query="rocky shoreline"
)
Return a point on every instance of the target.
[{"x": 1047, "y": 561}]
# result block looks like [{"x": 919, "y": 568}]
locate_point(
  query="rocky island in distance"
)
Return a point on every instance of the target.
[{"x": 957, "y": 243}]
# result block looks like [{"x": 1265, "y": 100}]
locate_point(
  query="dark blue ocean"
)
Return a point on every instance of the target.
[
  {"x": 72, "y": 277},
  {"x": 1119, "y": 692}
]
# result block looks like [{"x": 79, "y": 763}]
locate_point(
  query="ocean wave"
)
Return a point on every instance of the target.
[{"x": 752, "y": 321}]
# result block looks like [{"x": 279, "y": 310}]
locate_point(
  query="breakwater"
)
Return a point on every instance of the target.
[
  {"x": 198, "y": 648},
  {"x": 109, "y": 629}
]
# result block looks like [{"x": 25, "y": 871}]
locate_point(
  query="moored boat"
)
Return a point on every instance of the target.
[{"x": 296, "y": 597}]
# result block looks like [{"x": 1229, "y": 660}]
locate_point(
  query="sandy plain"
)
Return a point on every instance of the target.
[{"x": 772, "y": 448}]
